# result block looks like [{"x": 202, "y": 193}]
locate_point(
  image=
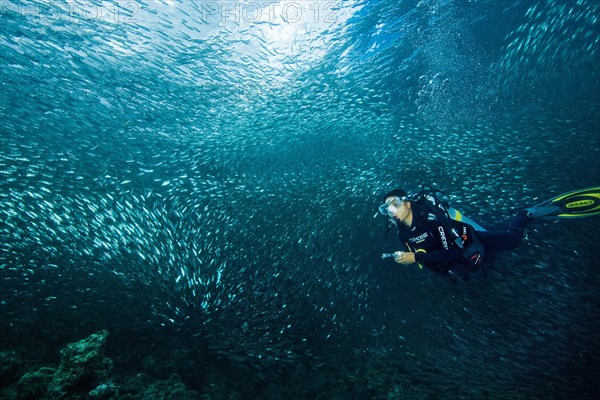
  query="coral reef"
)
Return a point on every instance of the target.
[
  {"x": 142, "y": 387},
  {"x": 34, "y": 385},
  {"x": 85, "y": 373}
]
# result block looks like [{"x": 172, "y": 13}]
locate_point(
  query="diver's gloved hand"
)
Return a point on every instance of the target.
[{"x": 404, "y": 257}]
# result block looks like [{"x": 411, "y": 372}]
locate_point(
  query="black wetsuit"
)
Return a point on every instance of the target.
[{"x": 435, "y": 247}]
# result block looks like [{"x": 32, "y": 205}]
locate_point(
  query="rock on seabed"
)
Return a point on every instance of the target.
[{"x": 83, "y": 367}]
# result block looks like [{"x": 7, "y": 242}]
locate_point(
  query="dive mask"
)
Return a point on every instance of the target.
[{"x": 390, "y": 207}]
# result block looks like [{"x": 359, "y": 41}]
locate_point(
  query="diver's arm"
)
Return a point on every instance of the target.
[
  {"x": 433, "y": 258},
  {"x": 437, "y": 257}
]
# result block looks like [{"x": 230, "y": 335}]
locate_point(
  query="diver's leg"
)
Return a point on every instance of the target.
[{"x": 494, "y": 241}]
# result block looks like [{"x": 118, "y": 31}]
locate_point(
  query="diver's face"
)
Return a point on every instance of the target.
[{"x": 402, "y": 210}]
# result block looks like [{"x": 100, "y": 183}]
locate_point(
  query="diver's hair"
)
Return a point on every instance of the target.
[{"x": 399, "y": 192}]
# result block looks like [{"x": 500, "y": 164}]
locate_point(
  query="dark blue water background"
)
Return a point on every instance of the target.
[{"x": 212, "y": 169}]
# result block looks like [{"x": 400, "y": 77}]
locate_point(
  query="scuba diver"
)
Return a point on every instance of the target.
[{"x": 440, "y": 238}]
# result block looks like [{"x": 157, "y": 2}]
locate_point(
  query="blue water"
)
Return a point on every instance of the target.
[{"x": 211, "y": 170}]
